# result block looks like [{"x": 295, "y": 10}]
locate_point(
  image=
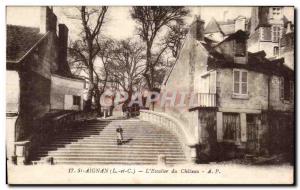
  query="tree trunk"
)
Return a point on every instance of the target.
[
  {"x": 148, "y": 69},
  {"x": 88, "y": 103},
  {"x": 97, "y": 102}
]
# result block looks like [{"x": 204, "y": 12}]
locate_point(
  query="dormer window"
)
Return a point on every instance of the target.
[{"x": 240, "y": 48}]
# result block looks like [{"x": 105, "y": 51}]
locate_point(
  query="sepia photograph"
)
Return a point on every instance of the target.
[{"x": 150, "y": 95}]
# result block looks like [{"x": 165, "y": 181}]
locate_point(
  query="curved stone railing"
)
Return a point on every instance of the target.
[{"x": 172, "y": 124}]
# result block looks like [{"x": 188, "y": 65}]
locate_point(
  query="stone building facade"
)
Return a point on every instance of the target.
[
  {"x": 268, "y": 25},
  {"x": 237, "y": 95},
  {"x": 38, "y": 79}
]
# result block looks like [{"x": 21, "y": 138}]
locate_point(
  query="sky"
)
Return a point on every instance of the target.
[{"x": 119, "y": 24}]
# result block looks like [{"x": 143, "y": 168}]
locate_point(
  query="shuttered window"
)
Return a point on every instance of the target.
[
  {"x": 286, "y": 89},
  {"x": 281, "y": 88},
  {"x": 240, "y": 82},
  {"x": 231, "y": 126},
  {"x": 292, "y": 89}
]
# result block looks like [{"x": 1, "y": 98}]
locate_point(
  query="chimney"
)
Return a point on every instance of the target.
[
  {"x": 225, "y": 16},
  {"x": 289, "y": 27},
  {"x": 48, "y": 20},
  {"x": 197, "y": 28},
  {"x": 62, "y": 47},
  {"x": 240, "y": 23}
]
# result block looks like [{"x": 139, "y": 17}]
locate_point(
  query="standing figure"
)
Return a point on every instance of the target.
[{"x": 119, "y": 131}]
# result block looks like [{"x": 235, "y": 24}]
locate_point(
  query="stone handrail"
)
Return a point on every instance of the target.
[
  {"x": 175, "y": 126},
  {"x": 48, "y": 128}
]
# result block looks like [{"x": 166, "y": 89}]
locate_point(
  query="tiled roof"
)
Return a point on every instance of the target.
[
  {"x": 226, "y": 27},
  {"x": 20, "y": 40},
  {"x": 212, "y": 27}
]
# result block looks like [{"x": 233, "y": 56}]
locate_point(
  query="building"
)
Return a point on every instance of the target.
[
  {"x": 287, "y": 47},
  {"x": 236, "y": 94},
  {"x": 39, "y": 81},
  {"x": 217, "y": 31},
  {"x": 267, "y": 27}
]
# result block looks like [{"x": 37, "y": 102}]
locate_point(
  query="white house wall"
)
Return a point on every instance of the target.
[
  {"x": 12, "y": 91},
  {"x": 62, "y": 91}
]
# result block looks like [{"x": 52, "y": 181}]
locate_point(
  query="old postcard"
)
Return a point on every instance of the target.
[{"x": 150, "y": 95}]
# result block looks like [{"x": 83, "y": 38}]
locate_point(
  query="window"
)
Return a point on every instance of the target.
[
  {"x": 286, "y": 89},
  {"x": 292, "y": 89},
  {"x": 276, "y": 51},
  {"x": 281, "y": 88},
  {"x": 240, "y": 82},
  {"x": 231, "y": 126},
  {"x": 240, "y": 48},
  {"x": 276, "y": 11},
  {"x": 275, "y": 33},
  {"x": 76, "y": 100}
]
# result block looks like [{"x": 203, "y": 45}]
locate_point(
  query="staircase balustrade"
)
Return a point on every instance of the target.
[
  {"x": 45, "y": 129},
  {"x": 172, "y": 124}
]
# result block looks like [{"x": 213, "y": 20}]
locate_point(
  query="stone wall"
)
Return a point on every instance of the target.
[
  {"x": 268, "y": 47},
  {"x": 289, "y": 59},
  {"x": 34, "y": 102},
  {"x": 257, "y": 91},
  {"x": 275, "y": 102},
  {"x": 183, "y": 78}
]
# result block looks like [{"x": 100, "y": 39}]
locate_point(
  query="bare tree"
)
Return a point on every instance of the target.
[
  {"x": 174, "y": 38},
  {"x": 102, "y": 79},
  {"x": 86, "y": 49},
  {"x": 151, "y": 23},
  {"x": 128, "y": 65}
]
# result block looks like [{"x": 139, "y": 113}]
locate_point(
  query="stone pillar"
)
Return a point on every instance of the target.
[
  {"x": 10, "y": 136},
  {"x": 193, "y": 154},
  {"x": 219, "y": 126},
  {"x": 22, "y": 152},
  {"x": 259, "y": 134},
  {"x": 243, "y": 127}
]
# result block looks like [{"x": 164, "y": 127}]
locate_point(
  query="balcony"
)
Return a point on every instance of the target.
[{"x": 206, "y": 100}]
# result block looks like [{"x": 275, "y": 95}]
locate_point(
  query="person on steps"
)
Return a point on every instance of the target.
[{"x": 119, "y": 131}]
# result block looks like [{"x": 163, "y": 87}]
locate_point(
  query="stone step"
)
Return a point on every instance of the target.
[
  {"x": 114, "y": 135},
  {"x": 108, "y": 162},
  {"x": 154, "y": 159},
  {"x": 104, "y": 143},
  {"x": 94, "y": 142},
  {"x": 114, "y": 154},
  {"x": 136, "y": 132},
  {"x": 115, "y": 157},
  {"x": 112, "y": 150},
  {"x": 113, "y": 140},
  {"x": 97, "y": 149},
  {"x": 110, "y": 146}
]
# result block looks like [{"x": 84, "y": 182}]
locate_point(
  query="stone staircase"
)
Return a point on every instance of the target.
[{"x": 94, "y": 142}]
